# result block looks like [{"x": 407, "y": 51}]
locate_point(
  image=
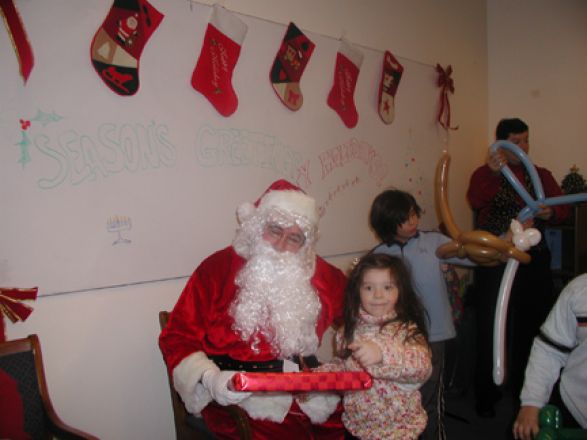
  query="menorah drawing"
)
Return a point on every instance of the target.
[{"x": 118, "y": 224}]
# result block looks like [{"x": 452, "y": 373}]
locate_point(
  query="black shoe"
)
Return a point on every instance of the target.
[{"x": 485, "y": 411}]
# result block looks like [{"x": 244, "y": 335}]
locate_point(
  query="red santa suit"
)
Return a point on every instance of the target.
[{"x": 200, "y": 327}]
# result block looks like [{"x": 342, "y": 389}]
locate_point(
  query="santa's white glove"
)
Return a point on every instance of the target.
[{"x": 216, "y": 382}]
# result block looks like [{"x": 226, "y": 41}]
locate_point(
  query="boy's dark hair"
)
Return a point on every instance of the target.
[
  {"x": 505, "y": 127},
  {"x": 389, "y": 210},
  {"x": 409, "y": 309}
]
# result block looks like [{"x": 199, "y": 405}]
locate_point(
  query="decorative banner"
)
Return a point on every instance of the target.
[
  {"x": 446, "y": 84},
  {"x": 15, "y": 28},
  {"x": 11, "y": 304}
]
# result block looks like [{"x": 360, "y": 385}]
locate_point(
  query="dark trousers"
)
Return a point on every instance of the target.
[
  {"x": 532, "y": 297},
  {"x": 432, "y": 393}
]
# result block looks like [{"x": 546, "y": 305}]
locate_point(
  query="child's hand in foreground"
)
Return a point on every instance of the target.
[{"x": 367, "y": 353}]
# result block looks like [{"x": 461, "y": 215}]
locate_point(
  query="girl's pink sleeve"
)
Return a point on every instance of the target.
[{"x": 403, "y": 361}]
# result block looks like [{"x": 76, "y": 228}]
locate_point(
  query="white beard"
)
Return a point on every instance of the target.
[{"x": 277, "y": 300}]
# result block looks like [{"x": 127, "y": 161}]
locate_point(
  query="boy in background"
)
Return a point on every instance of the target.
[{"x": 394, "y": 217}]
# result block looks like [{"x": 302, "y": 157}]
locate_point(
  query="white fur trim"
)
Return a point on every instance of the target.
[
  {"x": 229, "y": 24},
  {"x": 245, "y": 211},
  {"x": 319, "y": 406},
  {"x": 195, "y": 403},
  {"x": 268, "y": 406},
  {"x": 186, "y": 377},
  {"x": 351, "y": 52},
  {"x": 294, "y": 202}
]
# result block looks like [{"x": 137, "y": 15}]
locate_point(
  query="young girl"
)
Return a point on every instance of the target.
[{"x": 384, "y": 334}]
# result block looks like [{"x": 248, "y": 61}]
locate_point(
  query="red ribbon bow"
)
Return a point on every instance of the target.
[
  {"x": 17, "y": 33},
  {"x": 12, "y": 307},
  {"x": 446, "y": 83}
]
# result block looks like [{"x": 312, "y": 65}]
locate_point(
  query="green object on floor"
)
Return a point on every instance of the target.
[{"x": 551, "y": 426}]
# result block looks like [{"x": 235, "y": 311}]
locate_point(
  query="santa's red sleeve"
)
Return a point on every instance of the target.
[{"x": 330, "y": 283}]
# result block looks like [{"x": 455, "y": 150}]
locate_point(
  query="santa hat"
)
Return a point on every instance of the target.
[{"x": 283, "y": 196}]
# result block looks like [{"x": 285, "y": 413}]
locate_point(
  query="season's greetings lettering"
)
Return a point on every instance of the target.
[
  {"x": 114, "y": 149},
  {"x": 341, "y": 155},
  {"x": 244, "y": 148}
]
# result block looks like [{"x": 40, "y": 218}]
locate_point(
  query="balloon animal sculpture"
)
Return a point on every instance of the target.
[{"x": 487, "y": 249}]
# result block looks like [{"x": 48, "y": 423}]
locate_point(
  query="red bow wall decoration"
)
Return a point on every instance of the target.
[
  {"x": 19, "y": 38},
  {"x": 446, "y": 84},
  {"x": 12, "y": 307}
]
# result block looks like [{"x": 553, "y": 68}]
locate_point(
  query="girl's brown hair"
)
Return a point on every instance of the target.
[{"x": 408, "y": 308}]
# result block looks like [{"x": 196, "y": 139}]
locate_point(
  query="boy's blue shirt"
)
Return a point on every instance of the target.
[{"x": 419, "y": 254}]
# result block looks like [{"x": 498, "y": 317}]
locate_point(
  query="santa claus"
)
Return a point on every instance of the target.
[{"x": 262, "y": 304}]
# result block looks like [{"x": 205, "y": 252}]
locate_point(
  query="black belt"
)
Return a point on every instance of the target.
[{"x": 225, "y": 362}]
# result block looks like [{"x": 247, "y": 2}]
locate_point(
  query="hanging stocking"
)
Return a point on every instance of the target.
[
  {"x": 340, "y": 98},
  {"x": 118, "y": 44},
  {"x": 288, "y": 67},
  {"x": 18, "y": 35},
  {"x": 220, "y": 51},
  {"x": 390, "y": 78}
]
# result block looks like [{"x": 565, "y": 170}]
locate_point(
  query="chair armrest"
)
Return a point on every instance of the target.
[{"x": 63, "y": 431}]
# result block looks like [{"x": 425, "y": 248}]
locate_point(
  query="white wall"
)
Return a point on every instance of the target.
[
  {"x": 538, "y": 72},
  {"x": 103, "y": 365}
]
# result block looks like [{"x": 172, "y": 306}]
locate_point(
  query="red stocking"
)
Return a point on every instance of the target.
[
  {"x": 340, "y": 98},
  {"x": 117, "y": 46},
  {"x": 390, "y": 77},
  {"x": 18, "y": 35},
  {"x": 222, "y": 46},
  {"x": 288, "y": 67}
]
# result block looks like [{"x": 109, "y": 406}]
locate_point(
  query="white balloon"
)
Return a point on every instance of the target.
[
  {"x": 520, "y": 241},
  {"x": 516, "y": 226},
  {"x": 534, "y": 236}
]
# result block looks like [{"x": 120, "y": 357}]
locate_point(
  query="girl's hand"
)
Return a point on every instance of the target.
[{"x": 367, "y": 353}]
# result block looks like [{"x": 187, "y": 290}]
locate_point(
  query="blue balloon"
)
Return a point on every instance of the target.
[{"x": 532, "y": 206}]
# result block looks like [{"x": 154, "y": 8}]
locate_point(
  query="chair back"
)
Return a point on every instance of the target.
[
  {"x": 18, "y": 360},
  {"x": 21, "y": 359}
]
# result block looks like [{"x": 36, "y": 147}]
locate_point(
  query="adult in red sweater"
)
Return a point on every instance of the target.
[
  {"x": 258, "y": 305},
  {"x": 495, "y": 203}
]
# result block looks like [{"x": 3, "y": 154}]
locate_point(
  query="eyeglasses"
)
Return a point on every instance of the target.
[{"x": 276, "y": 233}]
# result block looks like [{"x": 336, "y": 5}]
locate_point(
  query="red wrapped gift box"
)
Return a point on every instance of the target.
[{"x": 303, "y": 381}]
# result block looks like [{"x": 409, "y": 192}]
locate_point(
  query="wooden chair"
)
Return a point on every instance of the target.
[
  {"x": 189, "y": 427},
  {"x": 22, "y": 360}
]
